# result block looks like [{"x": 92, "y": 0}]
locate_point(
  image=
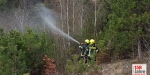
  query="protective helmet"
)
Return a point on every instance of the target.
[
  {"x": 87, "y": 41},
  {"x": 92, "y": 41}
]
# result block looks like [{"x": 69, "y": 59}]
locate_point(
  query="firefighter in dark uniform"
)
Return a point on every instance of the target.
[{"x": 84, "y": 50}]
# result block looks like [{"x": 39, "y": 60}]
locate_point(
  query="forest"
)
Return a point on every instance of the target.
[{"x": 40, "y": 37}]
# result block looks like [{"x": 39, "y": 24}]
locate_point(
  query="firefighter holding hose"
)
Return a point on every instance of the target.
[
  {"x": 84, "y": 47},
  {"x": 89, "y": 49}
]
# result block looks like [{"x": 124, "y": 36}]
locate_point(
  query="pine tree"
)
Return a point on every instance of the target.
[
  {"x": 21, "y": 53},
  {"x": 126, "y": 24}
]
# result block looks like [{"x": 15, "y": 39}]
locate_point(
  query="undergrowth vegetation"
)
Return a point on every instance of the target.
[
  {"x": 79, "y": 67},
  {"x": 23, "y": 52}
]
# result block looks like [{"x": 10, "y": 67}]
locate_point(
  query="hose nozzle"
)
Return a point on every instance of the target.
[{"x": 80, "y": 43}]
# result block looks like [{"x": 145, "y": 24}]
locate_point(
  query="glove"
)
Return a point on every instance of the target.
[
  {"x": 80, "y": 43},
  {"x": 97, "y": 51},
  {"x": 80, "y": 47}
]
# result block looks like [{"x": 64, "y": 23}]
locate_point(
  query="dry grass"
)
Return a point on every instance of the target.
[
  {"x": 124, "y": 67},
  {"x": 121, "y": 67}
]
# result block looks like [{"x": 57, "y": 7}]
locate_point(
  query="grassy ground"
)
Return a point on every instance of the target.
[{"x": 26, "y": 74}]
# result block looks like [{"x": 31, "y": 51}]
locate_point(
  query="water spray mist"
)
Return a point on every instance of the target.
[{"x": 48, "y": 16}]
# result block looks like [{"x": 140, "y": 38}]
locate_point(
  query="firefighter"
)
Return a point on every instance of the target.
[
  {"x": 84, "y": 47},
  {"x": 93, "y": 50}
]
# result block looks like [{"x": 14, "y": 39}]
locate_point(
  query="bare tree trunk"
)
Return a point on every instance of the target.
[
  {"x": 21, "y": 14},
  {"x": 73, "y": 14},
  {"x": 62, "y": 23},
  {"x": 22, "y": 21},
  {"x": 139, "y": 50},
  {"x": 68, "y": 21},
  {"x": 133, "y": 56},
  {"x": 61, "y": 7},
  {"x": 82, "y": 16},
  {"x": 95, "y": 20},
  {"x": 133, "y": 52},
  {"x": 20, "y": 17}
]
